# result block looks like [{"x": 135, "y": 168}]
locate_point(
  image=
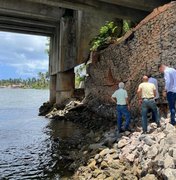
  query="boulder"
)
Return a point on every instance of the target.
[
  {"x": 152, "y": 152},
  {"x": 149, "y": 177},
  {"x": 130, "y": 157},
  {"x": 169, "y": 129},
  {"x": 169, "y": 174},
  {"x": 104, "y": 152},
  {"x": 122, "y": 143},
  {"x": 168, "y": 162}
]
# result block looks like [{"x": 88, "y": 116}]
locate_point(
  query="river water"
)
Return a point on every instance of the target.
[{"x": 29, "y": 144}]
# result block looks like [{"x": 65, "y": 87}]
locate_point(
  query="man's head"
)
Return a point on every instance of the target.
[
  {"x": 161, "y": 68},
  {"x": 121, "y": 85},
  {"x": 145, "y": 79}
]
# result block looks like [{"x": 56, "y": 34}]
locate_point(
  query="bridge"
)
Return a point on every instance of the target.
[{"x": 70, "y": 24}]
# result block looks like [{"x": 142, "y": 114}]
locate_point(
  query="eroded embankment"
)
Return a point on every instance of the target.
[
  {"x": 104, "y": 154},
  {"x": 139, "y": 52}
]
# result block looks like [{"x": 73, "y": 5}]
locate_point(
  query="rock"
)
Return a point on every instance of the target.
[
  {"x": 88, "y": 176},
  {"x": 109, "y": 178},
  {"x": 112, "y": 151},
  {"x": 149, "y": 177},
  {"x": 148, "y": 141},
  {"x": 153, "y": 125},
  {"x": 109, "y": 141},
  {"x": 170, "y": 139},
  {"x": 160, "y": 136},
  {"x": 103, "y": 165},
  {"x": 169, "y": 129},
  {"x": 152, "y": 152},
  {"x": 97, "y": 156},
  {"x": 108, "y": 158},
  {"x": 145, "y": 148},
  {"x": 96, "y": 172},
  {"x": 122, "y": 143},
  {"x": 96, "y": 146},
  {"x": 115, "y": 164},
  {"x": 171, "y": 151},
  {"x": 101, "y": 177},
  {"x": 104, "y": 152},
  {"x": 169, "y": 174},
  {"x": 168, "y": 162},
  {"x": 92, "y": 165},
  {"x": 127, "y": 133},
  {"x": 174, "y": 153},
  {"x": 91, "y": 134},
  {"x": 115, "y": 156},
  {"x": 159, "y": 160},
  {"x": 130, "y": 157}
]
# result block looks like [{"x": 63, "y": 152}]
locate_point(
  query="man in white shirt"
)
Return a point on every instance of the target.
[
  {"x": 120, "y": 97},
  {"x": 170, "y": 88}
]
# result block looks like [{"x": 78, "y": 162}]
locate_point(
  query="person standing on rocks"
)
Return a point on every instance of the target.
[
  {"x": 170, "y": 88},
  {"x": 146, "y": 94},
  {"x": 120, "y": 97},
  {"x": 155, "y": 82}
]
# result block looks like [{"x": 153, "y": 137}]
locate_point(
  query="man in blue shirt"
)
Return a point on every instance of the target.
[
  {"x": 120, "y": 97},
  {"x": 170, "y": 88}
]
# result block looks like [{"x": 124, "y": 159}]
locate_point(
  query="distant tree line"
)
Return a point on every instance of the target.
[{"x": 41, "y": 82}]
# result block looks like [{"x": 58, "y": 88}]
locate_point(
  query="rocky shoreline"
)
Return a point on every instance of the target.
[{"x": 105, "y": 154}]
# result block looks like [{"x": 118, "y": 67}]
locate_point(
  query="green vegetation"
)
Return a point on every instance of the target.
[
  {"x": 41, "y": 82},
  {"x": 109, "y": 33}
]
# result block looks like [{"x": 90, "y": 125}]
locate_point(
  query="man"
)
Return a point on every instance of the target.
[
  {"x": 120, "y": 97},
  {"x": 170, "y": 88},
  {"x": 146, "y": 94},
  {"x": 155, "y": 82}
]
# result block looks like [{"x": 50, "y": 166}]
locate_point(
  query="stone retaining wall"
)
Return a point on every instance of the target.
[{"x": 140, "y": 51}]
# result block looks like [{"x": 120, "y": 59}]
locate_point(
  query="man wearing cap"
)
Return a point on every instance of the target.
[
  {"x": 146, "y": 94},
  {"x": 120, "y": 96}
]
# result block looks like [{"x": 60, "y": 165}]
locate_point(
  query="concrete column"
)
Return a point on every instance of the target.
[
  {"x": 65, "y": 86},
  {"x": 53, "y": 89}
]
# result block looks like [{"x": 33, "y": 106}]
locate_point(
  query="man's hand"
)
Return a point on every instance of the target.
[
  {"x": 164, "y": 93},
  {"x": 140, "y": 102},
  {"x": 128, "y": 107},
  {"x": 114, "y": 100}
]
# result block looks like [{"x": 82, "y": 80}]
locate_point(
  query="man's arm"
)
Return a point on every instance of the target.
[
  {"x": 139, "y": 93},
  {"x": 167, "y": 80},
  {"x": 127, "y": 103},
  {"x": 114, "y": 99},
  {"x": 154, "y": 92}
]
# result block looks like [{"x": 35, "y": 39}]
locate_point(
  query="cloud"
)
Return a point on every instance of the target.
[{"x": 25, "y": 53}]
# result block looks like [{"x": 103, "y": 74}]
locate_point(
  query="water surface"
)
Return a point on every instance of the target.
[{"x": 28, "y": 147}]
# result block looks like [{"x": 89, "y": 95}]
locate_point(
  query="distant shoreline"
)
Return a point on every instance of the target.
[{"x": 16, "y": 87}]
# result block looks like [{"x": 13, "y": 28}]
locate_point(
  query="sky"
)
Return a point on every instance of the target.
[{"x": 22, "y": 56}]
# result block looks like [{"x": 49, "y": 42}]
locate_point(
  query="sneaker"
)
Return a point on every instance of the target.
[
  {"x": 158, "y": 125},
  {"x": 129, "y": 130},
  {"x": 121, "y": 131},
  {"x": 144, "y": 132}
]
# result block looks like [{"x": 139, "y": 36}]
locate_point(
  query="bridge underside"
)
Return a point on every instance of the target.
[{"x": 70, "y": 24}]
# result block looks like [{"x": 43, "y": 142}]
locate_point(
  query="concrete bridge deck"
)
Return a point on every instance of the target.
[{"x": 71, "y": 24}]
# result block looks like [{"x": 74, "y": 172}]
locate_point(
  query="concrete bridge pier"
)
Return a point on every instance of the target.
[
  {"x": 53, "y": 89},
  {"x": 65, "y": 86}
]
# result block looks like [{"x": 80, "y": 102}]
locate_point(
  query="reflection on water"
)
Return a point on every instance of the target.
[{"x": 30, "y": 146}]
